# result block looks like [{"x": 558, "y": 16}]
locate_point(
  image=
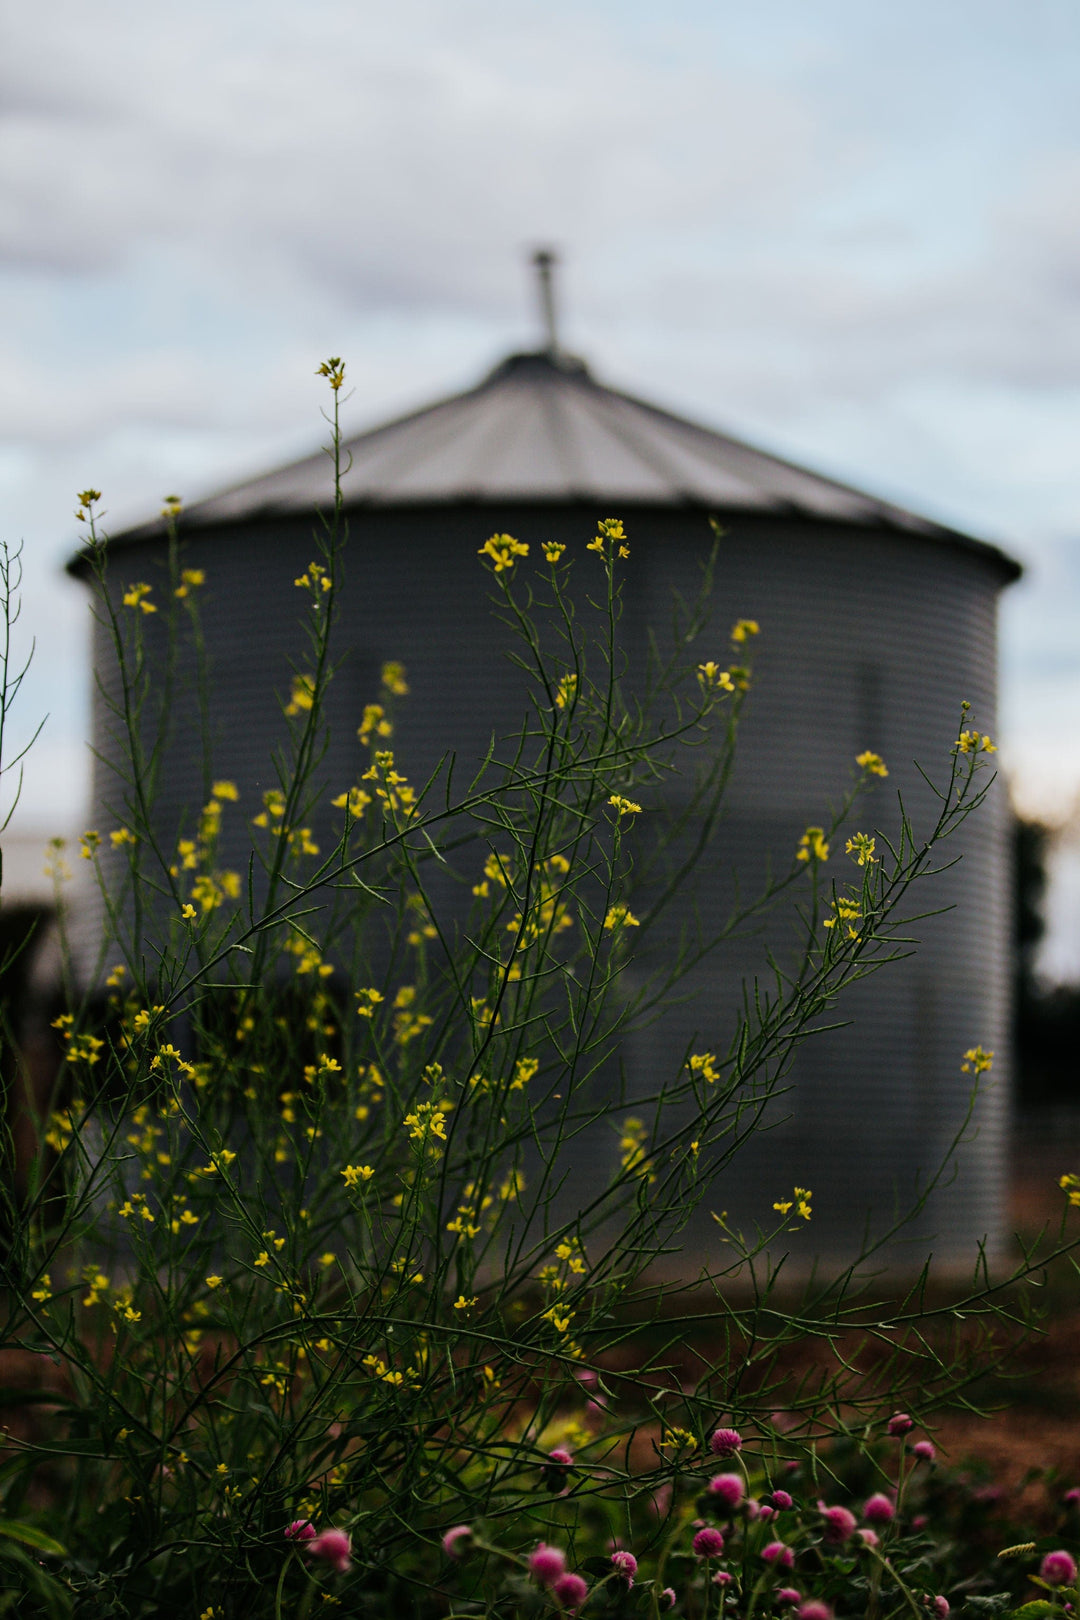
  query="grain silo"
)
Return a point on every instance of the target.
[{"x": 875, "y": 625}]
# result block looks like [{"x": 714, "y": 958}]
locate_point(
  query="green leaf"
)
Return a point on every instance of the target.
[
  {"x": 31, "y": 1537},
  {"x": 1034, "y": 1610}
]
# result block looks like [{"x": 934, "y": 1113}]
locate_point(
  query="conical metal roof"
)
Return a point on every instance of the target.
[{"x": 540, "y": 428}]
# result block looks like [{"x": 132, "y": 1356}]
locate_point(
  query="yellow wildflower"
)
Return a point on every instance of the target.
[
  {"x": 566, "y": 691},
  {"x": 427, "y": 1120},
  {"x": 334, "y": 371},
  {"x": 552, "y": 550},
  {"x": 620, "y": 916},
  {"x": 327, "y": 1259},
  {"x": 88, "y": 843},
  {"x": 463, "y": 1304},
  {"x": 712, "y": 678},
  {"x": 302, "y": 696},
  {"x": 861, "y": 847},
  {"x": 374, "y": 722},
  {"x": 393, "y": 678},
  {"x": 625, "y": 807},
  {"x": 43, "y": 1291},
  {"x": 190, "y": 580},
  {"x": 743, "y": 628},
  {"x": 136, "y": 597},
  {"x": 503, "y": 550},
  {"x": 189, "y": 914},
  {"x": 354, "y": 1173},
  {"x": 845, "y": 912},
  {"x": 214, "y": 1281},
  {"x": 632, "y": 1156},
  {"x": 609, "y": 529},
  {"x": 871, "y": 763},
  {"x": 523, "y": 1073},
  {"x": 813, "y": 845},
  {"x": 355, "y": 801},
  {"x": 976, "y": 1061},
  {"x": 314, "y": 578},
  {"x": 121, "y": 836},
  {"x": 970, "y": 742},
  {"x": 367, "y": 1001},
  {"x": 704, "y": 1064}
]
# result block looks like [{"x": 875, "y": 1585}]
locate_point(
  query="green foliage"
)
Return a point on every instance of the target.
[{"x": 342, "y": 1211}]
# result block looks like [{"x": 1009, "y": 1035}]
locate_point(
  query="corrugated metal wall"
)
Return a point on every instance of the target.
[{"x": 869, "y": 639}]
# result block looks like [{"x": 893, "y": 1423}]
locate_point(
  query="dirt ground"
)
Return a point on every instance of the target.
[{"x": 1039, "y": 1426}]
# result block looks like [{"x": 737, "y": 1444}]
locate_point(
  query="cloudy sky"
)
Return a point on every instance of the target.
[{"x": 847, "y": 229}]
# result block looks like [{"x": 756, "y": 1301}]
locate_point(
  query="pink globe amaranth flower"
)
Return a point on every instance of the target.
[
  {"x": 624, "y": 1563},
  {"x": 708, "y": 1543},
  {"x": 453, "y": 1539},
  {"x": 839, "y": 1522},
  {"x": 870, "y": 1538},
  {"x": 778, "y": 1553},
  {"x": 814, "y": 1610},
  {"x": 925, "y": 1450},
  {"x": 920, "y": 1521},
  {"x": 722, "y": 1578},
  {"x": 725, "y": 1442},
  {"x": 900, "y": 1423},
  {"x": 788, "y": 1594},
  {"x": 668, "y": 1596},
  {"x": 300, "y": 1530},
  {"x": 1072, "y": 1497},
  {"x": 781, "y": 1500},
  {"x": 333, "y": 1547},
  {"x": 546, "y": 1564},
  {"x": 1058, "y": 1569},
  {"x": 729, "y": 1488},
  {"x": 561, "y": 1456},
  {"x": 752, "y": 1509},
  {"x": 878, "y": 1509},
  {"x": 570, "y": 1592},
  {"x": 766, "y": 1513},
  {"x": 939, "y": 1607}
]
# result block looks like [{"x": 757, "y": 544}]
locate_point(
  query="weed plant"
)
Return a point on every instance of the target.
[{"x": 346, "y": 1254}]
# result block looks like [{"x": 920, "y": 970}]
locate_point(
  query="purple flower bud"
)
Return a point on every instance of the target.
[
  {"x": 870, "y": 1538},
  {"x": 781, "y": 1500},
  {"x": 766, "y": 1513},
  {"x": 788, "y": 1594},
  {"x": 668, "y": 1596},
  {"x": 725, "y": 1442},
  {"x": 624, "y": 1563},
  {"x": 722, "y": 1578},
  {"x": 708, "y": 1543},
  {"x": 778, "y": 1553},
  {"x": 300, "y": 1530},
  {"x": 1071, "y": 1497},
  {"x": 839, "y": 1522},
  {"x": 814, "y": 1611},
  {"x": 546, "y": 1564},
  {"x": 453, "y": 1543},
  {"x": 925, "y": 1450},
  {"x": 900, "y": 1423},
  {"x": 561, "y": 1456},
  {"x": 879, "y": 1510},
  {"x": 728, "y": 1487},
  {"x": 333, "y": 1547},
  {"x": 1058, "y": 1569},
  {"x": 940, "y": 1607},
  {"x": 570, "y": 1592}
]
